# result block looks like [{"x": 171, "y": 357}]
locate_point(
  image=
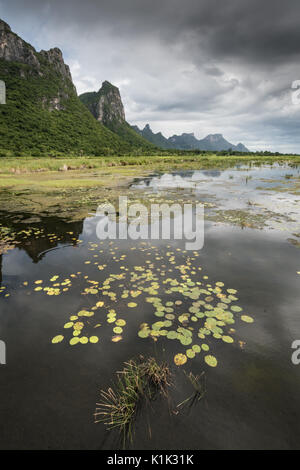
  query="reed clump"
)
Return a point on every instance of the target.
[{"x": 139, "y": 380}]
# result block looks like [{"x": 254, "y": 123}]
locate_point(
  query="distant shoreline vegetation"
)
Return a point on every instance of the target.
[
  {"x": 142, "y": 153},
  {"x": 14, "y": 166}
]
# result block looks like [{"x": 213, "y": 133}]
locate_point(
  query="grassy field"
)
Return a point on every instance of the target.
[
  {"x": 83, "y": 170},
  {"x": 71, "y": 184}
]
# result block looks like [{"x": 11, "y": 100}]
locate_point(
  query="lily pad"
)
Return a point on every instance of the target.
[
  {"x": 94, "y": 339},
  {"x": 247, "y": 319},
  {"x": 74, "y": 341},
  {"x": 57, "y": 339},
  {"x": 180, "y": 359},
  {"x": 227, "y": 339},
  {"x": 190, "y": 353},
  {"x": 211, "y": 361}
]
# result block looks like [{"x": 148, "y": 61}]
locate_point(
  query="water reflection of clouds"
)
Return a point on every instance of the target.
[
  {"x": 171, "y": 181},
  {"x": 235, "y": 188}
]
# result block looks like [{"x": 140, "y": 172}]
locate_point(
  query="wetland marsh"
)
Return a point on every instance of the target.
[{"x": 74, "y": 308}]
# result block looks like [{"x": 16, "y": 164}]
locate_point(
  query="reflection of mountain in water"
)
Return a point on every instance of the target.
[{"x": 37, "y": 238}]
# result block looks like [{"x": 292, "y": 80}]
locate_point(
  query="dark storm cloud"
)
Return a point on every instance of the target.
[
  {"x": 198, "y": 65},
  {"x": 213, "y": 71},
  {"x": 255, "y": 30}
]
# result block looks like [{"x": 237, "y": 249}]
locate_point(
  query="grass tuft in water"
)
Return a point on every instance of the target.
[
  {"x": 198, "y": 383},
  {"x": 139, "y": 380}
]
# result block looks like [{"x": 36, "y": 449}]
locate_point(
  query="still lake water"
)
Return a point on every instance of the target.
[{"x": 48, "y": 391}]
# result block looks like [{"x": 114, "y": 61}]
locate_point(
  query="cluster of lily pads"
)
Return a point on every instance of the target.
[
  {"x": 206, "y": 317},
  {"x": 188, "y": 307}
]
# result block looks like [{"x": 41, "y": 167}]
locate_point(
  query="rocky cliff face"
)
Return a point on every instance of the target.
[
  {"x": 15, "y": 49},
  {"x": 54, "y": 58},
  {"x": 43, "y": 114},
  {"x": 110, "y": 107},
  {"x": 106, "y": 105}
]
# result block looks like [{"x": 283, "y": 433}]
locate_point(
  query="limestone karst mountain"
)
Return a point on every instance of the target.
[
  {"x": 43, "y": 114},
  {"x": 218, "y": 143},
  {"x": 107, "y": 107}
]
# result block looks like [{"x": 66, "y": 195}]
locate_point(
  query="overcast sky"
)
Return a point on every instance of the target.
[{"x": 202, "y": 66}]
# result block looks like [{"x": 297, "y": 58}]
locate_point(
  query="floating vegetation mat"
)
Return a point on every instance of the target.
[{"x": 232, "y": 197}]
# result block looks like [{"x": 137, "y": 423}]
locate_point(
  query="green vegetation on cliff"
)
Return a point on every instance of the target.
[
  {"x": 107, "y": 107},
  {"x": 43, "y": 115}
]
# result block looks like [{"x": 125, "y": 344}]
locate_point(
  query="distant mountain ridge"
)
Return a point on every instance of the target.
[
  {"x": 188, "y": 141},
  {"x": 157, "y": 139}
]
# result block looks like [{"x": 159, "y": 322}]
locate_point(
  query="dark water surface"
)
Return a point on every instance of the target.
[{"x": 48, "y": 391}]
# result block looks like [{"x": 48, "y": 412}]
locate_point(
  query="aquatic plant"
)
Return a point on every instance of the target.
[
  {"x": 139, "y": 380},
  {"x": 198, "y": 383},
  {"x": 192, "y": 310}
]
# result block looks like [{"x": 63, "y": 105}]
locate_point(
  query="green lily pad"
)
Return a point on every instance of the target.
[
  {"x": 57, "y": 339},
  {"x": 211, "y": 361},
  {"x": 247, "y": 319}
]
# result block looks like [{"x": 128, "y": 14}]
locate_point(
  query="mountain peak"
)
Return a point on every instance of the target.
[
  {"x": 214, "y": 137},
  {"x": 107, "y": 86},
  {"x": 110, "y": 108},
  {"x": 45, "y": 116},
  {"x": 55, "y": 57},
  {"x": 105, "y": 105},
  {"x": 4, "y": 26},
  {"x": 15, "y": 49},
  {"x": 188, "y": 134}
]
